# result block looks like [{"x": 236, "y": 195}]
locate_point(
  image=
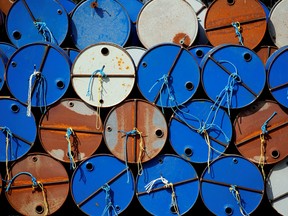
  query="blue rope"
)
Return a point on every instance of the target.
[
  {"x": 33, "y": 179},
  {"x": 70, "y": 132},
  {"x": 101, "y": 73},
  {"x": 127, "y": 134},
  {"x": 264, "y": 126},
  {"x": 108, "y": 200},
  {"x": 237, "y": 28},
  {"x": 45, "y": 31},
  {"x": 237, "y": 197},
  {"x": 7, "y": 130}
]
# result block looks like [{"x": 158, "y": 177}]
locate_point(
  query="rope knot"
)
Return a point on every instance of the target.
[
  {"x": 68, "y": 134},
  {"x": 238, "y": 29},
  {"x": 45, "y": 31},
  {"x": 108, "y": 200},
  {"x": 236, "y": 194},
  {"x": 265, "y": 124}
]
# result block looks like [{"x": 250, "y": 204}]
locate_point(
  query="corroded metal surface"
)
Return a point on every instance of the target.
[
  {"x": 50, "y": 173},
  {"x": 138, "y": 115},
  {"x": 250, "y": 16},
  {"x": 5, "y": 5},
  {"x": 248, "y": 125},
  {"x": 264, "y": 52},
  {"x": 84, "y": 121}
]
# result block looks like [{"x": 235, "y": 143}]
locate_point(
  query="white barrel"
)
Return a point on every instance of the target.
[{"x": 136, "y": 53}]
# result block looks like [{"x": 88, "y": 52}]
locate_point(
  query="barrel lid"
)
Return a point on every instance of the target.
[
  {"x": 3, "y": 61},
  {"x": 101, "y": 176},
  {"x": 72, "y": 53},
  {"x": 99, "y": 21},
  {"x": 167, "y": 21},
  {"x": 69, "y": 5},
  {"x": 223, "y": 180},
  {"x": 103, "y": 74},
  {"x": 8, "y": 49},
  {"x": 265, "y": 51},
  {"x": 162, "y": 178},
  {"x": 136, "y": 53},
  {"x": 13, "y": 125},
  {"x": 36, "y": 24},
  {"x": 199, "y": 51}
]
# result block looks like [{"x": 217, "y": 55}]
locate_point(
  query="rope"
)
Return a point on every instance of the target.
[
  {"x": 45, "y": 31},
  {"x": 264, "y": 133},
  {"x": 150, "y": 185},
  {"x": 108, "y": 200},
  {"x": 44, "y": 197},
  {"x": 70, "y": 132},
  {"x": 237, "y": 197},
  {"x": 237, "y": 28},
  {"x": 9, "y": 136},
  {"x": 142, "y": 150}
]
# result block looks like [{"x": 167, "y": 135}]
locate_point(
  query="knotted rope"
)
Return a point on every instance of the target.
[
  {"x": 150, "y": 185},
  {"x": 237, "y": 28},
  {"x": 264, "y": 133},
  {"x": 108, "y": 201},
  {"x": 45, "y": 31},
  {"x": 233, "y": 190},
  {"x": 70, "y": 132},
  {"x": 9, "y": 136}
]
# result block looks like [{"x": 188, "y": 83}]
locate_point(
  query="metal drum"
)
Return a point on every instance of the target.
[
  {"x": 69, "y": 5},
  {"x": 17, "y": 131},
  {"x": 235, "y": 22},
  {"x": 175, "y": 18},
  {"x": 276, "y": 187},
  {"x": 99, "y": 21},
  {"x": 235, "y": 68},
  {"x": 135, "y": 131},
  {"x": 199, "y": 51},
  {"x": 168, "y": 186},
  {"x": 264, "y": 52},
  {"x": 99, "y": 186},
  {"x": 38, "y": 74},
  {"x": 3, "y": 61},
  {"x": 8, "y": 49},
  {"x": 103, "y": 74},
  {"x": 70, "y": 131},
  {"x": 200, "y": 10},
  {"x": 232, "y": 185},
  {"x": 39, "y": 185},
  {"x": 277, "y": 78},
  {"x": 261, "y": 132},
  {"x": 36, "y": 24},
  {"x": 168, "y": 75},
  {"x": 200, "y": 132},
  {"x": 72, "y": 53},
  {"x": 277, "y": 24},
  {"x": 136, "y": 53},
  {"x": 5, "y": 5}
]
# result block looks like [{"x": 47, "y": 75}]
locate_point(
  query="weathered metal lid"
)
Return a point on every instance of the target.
[
  {"x": 136, "y": 53},
  {"x": 265, "y": 51},
  {"x": 167, "y": 21},
  {"x": 3, "y": 62},
  {"x": 199, "y": 51}
]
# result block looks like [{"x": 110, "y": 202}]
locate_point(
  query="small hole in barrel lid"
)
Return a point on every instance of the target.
[
  {"x": 144, "y": 64},
  {"x": 199, "y": 53},
  {"x": 275, "y": 154},
  {"x": 247, "y": 57},
  {"x": 105, "y": 51},
  {"x": 89, "y": 166},
  {"x": 235, "y": 161},
  {"x": 228, "y": 210},
  {"x": 117, "y": 208},
  {"x": 230, "y": 2},
  {"x": 188, "y": 152},
  {"x": 60, "y": 84},
  {"x": 16, "y": 35},
  {"x": 159, "y": 133},
  {"x": 173, "y": 209},
  {"x": 59, "y": 11},
  {"x": 15, "y": 108},
  {"x": 189, "y": 85},
  {"x": 109, "y": 128},
  {"x": 71, "y": 104},
  {"x": 34, "y": 159},
  {"x": 13, "y": 64},
  {"x": 101, "y": 101},
  {"x": 39, "y": 209},
  {"x": 160, "y": 160}
]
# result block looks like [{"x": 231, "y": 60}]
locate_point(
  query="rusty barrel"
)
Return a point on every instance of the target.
[
  {"x": 265, "y": 51},
  {"x": 277, "y": 79},
  {"x": 17, "y": 131},
  {"x": 200, "y": 132},
  {"x": 70, "y": 130},
  {"x": 276, "y": 187},
  {"x": 103, "y": 74},
  {"x": 36, "y": 24},
  {"x": 176, "y": 19},
  {"x": 231, "y": 185},
  {"x": 38, "y": 185},
  {"x": 135, "y": 131},
  {"x": 101, "y": 185},
  {"x": 235, "y": 22},
  {"x": 169, "y": 186},
  {"x": 5, "y": 5},
  {"x": 261, "y": 132}
]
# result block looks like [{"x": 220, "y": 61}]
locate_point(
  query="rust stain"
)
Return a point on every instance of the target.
[{"x": 182, "y": 39}]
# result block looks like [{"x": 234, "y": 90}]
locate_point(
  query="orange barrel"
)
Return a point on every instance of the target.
[
  {"x": 235, "y": 22},
  {"x": 103, "y": 74},
  {"x": 70, "y": 131},
  {"x": 277, "y": 25},
  {"x": 261, "y": 132},
  {"x": 38, "y": 185},
  {"x": 265, "y": 51},
  {"x": 5, "y": 5},
  {"x": 135, "y": 131},
  {"x": 167, "y": 21}
]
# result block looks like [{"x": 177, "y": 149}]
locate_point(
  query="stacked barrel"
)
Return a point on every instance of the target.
[{"x": 160, "y": 107}]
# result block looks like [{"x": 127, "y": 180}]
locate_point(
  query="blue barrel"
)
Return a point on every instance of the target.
[
  {"x": 200, "y": 132},
  {"x": 229, "y": 73},
  {"x": 99, "y": 185},
  {"x": 38, "y": 74},
  {"x": 3, "y": 61},
  {"x": 277, "y": 78},
  {"x": 169, "y": 186},
  {"x": 17, "y": 131},
  {"x": 8, "y": 49},
  {"x": 232, "y": 185},
  {"x": 69, "y": 5},
  {"x": 99, "y": 21},
  {"x": 199, "y": 51},
  {"x": 39, "y": 21},
  {"x": 72, "y": 53},
  {"x": 168, "y": 75}
]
